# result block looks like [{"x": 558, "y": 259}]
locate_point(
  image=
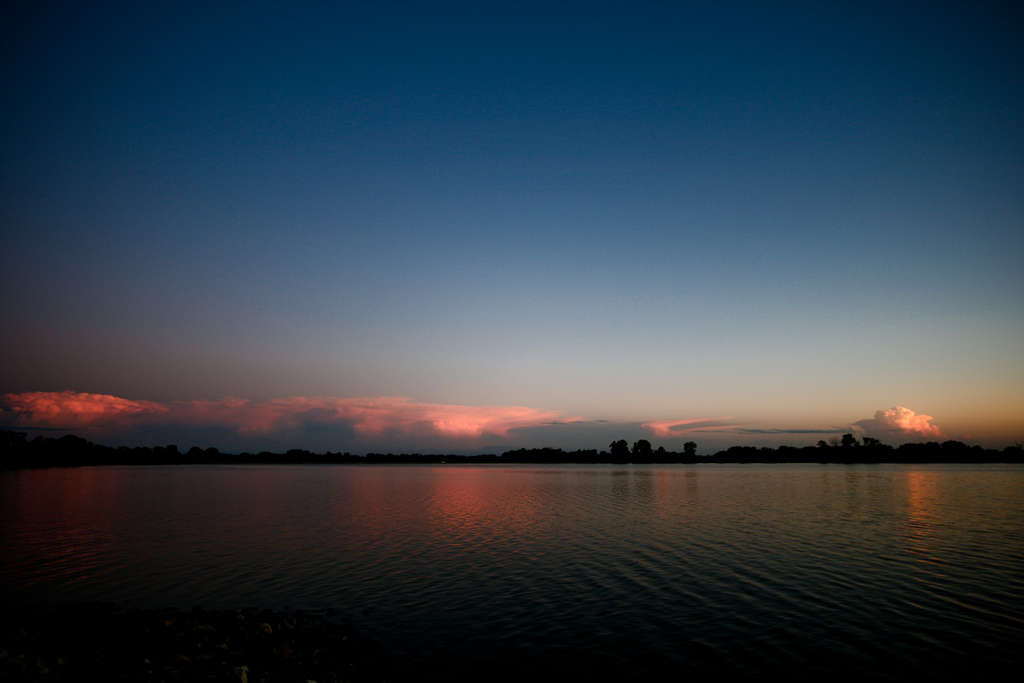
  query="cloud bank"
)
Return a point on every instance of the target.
[
  {"x": 386, "y": 422},
  {"x": 74, "y": 410},
  {"x": 897, "y": 423},
  {"x": 366, "y": 417}
]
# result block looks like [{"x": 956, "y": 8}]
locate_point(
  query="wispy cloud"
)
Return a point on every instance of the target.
[
  {"x": 669, "y": 428},
  {"x": 898, "y": 422},
  {"x": 749, "y": 430}
]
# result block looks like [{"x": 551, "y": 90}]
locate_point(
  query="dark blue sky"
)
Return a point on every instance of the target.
[{"x": 791, "y": 214}]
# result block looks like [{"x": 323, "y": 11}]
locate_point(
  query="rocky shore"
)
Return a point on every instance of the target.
[{"x": 102, "y": 642}]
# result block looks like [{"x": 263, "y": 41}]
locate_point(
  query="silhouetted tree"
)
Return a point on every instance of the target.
[
  {"x": 871, "y": 442},
  {"x": 849, "y": 441},
  {"x": 690, "y": 449},
  {"x": 822, "y": 443},
  {"x": 11, "y": 442},
  {"x": 619, "y": 449},
  {"x": 642, "y": 449}
]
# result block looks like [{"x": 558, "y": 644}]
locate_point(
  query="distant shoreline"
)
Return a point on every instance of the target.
[{"x": 19, "y": 452}]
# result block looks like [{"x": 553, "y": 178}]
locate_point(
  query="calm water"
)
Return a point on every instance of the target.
[{"x": 875, "y": 569}]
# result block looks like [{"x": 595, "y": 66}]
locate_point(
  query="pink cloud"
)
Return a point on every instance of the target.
[
  {"x": 70, "y": 409},
  {"x": 367, "y": 416},
  {"x": 669, "y": 428},
  {"x": 446, "y": 419},
  {"x": 899, "y": 421}
]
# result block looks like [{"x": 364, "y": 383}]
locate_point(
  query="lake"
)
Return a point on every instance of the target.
[{"x": 884, "y": 570}]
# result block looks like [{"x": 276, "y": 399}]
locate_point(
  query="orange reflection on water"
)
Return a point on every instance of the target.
[
  {"x": 671, "y": 499},
  {"x": 923, "y": 511}
]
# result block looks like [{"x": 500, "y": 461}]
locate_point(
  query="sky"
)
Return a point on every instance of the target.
[{"x": 479, "y": 226}]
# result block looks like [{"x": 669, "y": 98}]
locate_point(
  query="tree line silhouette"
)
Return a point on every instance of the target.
[{"x": 18, "y": 451}]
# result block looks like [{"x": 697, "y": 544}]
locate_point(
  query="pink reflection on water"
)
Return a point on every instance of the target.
[
  {"x": 67, "y": 523},
  {"x": 500, "y": 507}
]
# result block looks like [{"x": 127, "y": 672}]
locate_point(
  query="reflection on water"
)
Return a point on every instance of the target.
[
  {"x": 922, "y": 511},
  {"x": 706, "y": 568}
]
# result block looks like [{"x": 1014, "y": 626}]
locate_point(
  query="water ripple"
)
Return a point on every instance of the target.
[{"x": 706, "y": 568}]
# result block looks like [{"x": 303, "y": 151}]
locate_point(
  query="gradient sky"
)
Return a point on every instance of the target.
[{"x": 777, "y": 219}]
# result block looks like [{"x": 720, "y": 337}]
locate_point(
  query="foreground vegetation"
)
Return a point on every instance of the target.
[{"x": 105, "y": 643}]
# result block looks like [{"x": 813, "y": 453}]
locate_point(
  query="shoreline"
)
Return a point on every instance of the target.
[{"x": 19, "y": 452}]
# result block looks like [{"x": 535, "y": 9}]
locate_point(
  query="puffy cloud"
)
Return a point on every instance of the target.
[
  {"x": 368, "y": 417},
  {"x": 670, "y": 428},
  {"x": 898, "y": 422}
]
